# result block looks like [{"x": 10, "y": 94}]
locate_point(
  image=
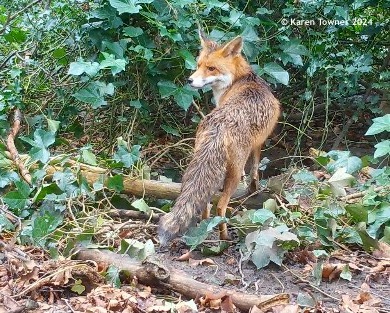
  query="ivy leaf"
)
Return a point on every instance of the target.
[
  {"x": 141, "y": 205},
  {"x": 305, "y": 176},
  {"x": 115, "y": 183},
  {"x": 170, "y": 130},
  {"x": 53, "y": 125},
  {"x": 18, "y": 199},
  {"x": 126, "y": 157},
  {"x": 277, "y": 72},
  {"x": 133, "y": 31},
  {"x": 189, "y": 60},
  {"x": 116, "y": 65},
  {"x": 166, "y": 88},
  {"x": 196, "y": 235},
  {"x": 8, "y": 177},
  {"x": 45, "y": 222},
  {"x": 382, "y": 149},
  {"x": 42, "y": 140},
  {"x": 126, "y": 6},
  {"x": 78, "y": 287},
  {"x": 380, "y": 125},
  {"x": 339, "y": 180},
  {"x": 88, "y": 157},
  {"x": 79, "y": 67},
  {"x": 136, "y": 249},
  {"x": 91, "y": 96},
  {"x": 112, "y": 276}
]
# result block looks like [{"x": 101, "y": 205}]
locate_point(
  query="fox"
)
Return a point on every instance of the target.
[{"x": 245, "y": 115}]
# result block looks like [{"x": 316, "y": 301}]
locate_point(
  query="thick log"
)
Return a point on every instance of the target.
[
  {"x": 158, "y": 189},
  {"x": 151, "y": 272}
]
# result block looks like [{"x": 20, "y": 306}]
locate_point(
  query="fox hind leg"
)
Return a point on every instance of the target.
[
  {"x": 232, "y": 178},
  {"x": 254, "y": 180}
]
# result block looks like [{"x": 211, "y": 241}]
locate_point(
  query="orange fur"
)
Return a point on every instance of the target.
[{"x": 245, "y": 116}]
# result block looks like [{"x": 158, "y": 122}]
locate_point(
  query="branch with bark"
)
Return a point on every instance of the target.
[{"x": 154, "y": 273}]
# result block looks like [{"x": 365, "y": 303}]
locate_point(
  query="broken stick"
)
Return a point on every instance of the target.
[
  {"x": 152, "y": 273},
  {"x": 17, "y": 121}
]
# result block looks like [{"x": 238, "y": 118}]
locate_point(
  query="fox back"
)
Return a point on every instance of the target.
[{"x": 246, "y": 114}]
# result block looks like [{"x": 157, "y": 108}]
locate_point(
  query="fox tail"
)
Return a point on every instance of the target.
[{"x": 203, "y": 177}]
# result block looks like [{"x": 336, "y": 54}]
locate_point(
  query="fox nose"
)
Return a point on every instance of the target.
[{"x": 190, "y": 80}]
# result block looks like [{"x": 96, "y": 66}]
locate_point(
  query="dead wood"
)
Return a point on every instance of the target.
[
  {"x": 159, "y": 189},
  {"x": 151, "y": 272},
  {"x": 17, "y": 121}
]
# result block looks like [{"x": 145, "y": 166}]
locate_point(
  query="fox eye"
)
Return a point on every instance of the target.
[{"x": 211, "y": 68}]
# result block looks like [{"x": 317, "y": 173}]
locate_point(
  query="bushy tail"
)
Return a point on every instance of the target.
[{"x": 203, "y": 177}]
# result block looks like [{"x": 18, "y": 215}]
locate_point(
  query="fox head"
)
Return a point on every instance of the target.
[{"x": 218, "y": 65}]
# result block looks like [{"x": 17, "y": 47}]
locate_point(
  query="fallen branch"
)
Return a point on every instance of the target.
[
  {"x": 17, "y": 121},
  {"x": 154, "y": 188},
  {"x": 361, "y": 194},
  {"x": 152, "y": 273}
]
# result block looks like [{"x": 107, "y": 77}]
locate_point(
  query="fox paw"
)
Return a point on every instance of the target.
[{"x": 253, "y": 186}]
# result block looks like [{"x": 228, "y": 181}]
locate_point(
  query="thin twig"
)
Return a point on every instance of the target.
[
  {"x": 12, "y": 148},
  {"x": 198, "y": 109}
]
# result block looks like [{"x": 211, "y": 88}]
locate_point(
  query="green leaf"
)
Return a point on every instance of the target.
[
  {"x": 358, "y": 212},
  {"x": 16, "y": 35},
  {"x": 305, "y": 176},
  {"x": 133, "y": 31},
  {"x": 5, "y": 223},
  {"x": 346, "y": 273},
  {"x": 189, "y": 60},
  {"x": 112, "y": 276},
  {"x": 166, "y": 88},
  {"x": 141, "y": 205},
  {"x": 116, "y": 65},
  {"x": 369, "y": 243},
  {"x": 8, "y": 177},
  {"x": 126, "y": 157},
  {"x": 294, "y": 47},
  {"x": 136, "y": 249},
  {"x": 352, "y": 164},
  {"x": 78, "y": 287},
  {"x": 88, "y": 157},
  {"x": 215, "y": 250},
  {"x": 381, "y": 217},
  {"x": 382, "y": 149},
  {"x": 18, "y": 199},
  {"x": 126, "y": 6},
  {"x": 80, "y": 67},
  {"x": 262, "y": 216},
  {"x": 380, "y": 125},
  {"x": 90, "y": 95},
  {"x": 45, "y": 222},
  {"x": 53, "y": 125},
  {"x": 115, "y": 183},
  {"x": 339, "y": 180},
  {"x": 196, "y": 235},
  {"x": 170, "y": 130},
  {"x": 277, "y": 72}
]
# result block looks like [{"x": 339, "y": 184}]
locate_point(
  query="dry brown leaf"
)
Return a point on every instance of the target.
[
  {"x": 255, "y": 309},
  {"x": 383, "y": 251},
  {"x": 31, "y": 276},
  {"x": 184, "y": 257},
  {"x": 289, "y": 308},
  {"x": 331, "y": 272},
  {"x": 227, "y": 304},
  {"x": 207, "y": 262}
]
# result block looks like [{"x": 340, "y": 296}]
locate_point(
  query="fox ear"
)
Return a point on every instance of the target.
[
  {"x": 233, "y": 47},
  {"x": 206, "y": 43}
]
